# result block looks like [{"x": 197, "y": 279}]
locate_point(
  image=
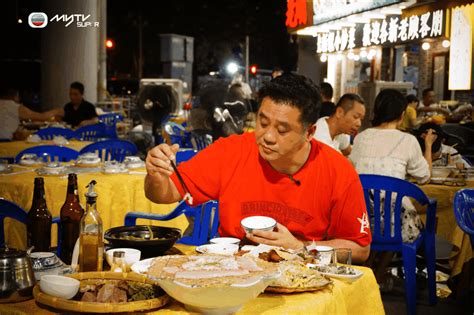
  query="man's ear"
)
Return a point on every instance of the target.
[
  {"x": 339, "y": 113},
  {"x": 310, "y": 132}
]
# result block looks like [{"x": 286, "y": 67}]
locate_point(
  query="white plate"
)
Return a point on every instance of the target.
[
  {"x": 344, "y": 277},
  {"x": 142, "y": 266},
  {"x": 220, "y": 249}
]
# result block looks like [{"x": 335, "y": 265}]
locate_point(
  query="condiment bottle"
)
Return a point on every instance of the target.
[
  {"x": 91, "y": 246},
  {"x": 71, "y": 214},
  {"x": 39, "y": 220},
  {"x": 118, "y": 262}
]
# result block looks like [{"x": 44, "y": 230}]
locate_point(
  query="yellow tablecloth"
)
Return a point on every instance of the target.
[
  {"x": 11, "y": 149},
  {"x": 118, "y": 194},
  {"x": 447, "y": 226},
  {"x": 359, "y": 297}
]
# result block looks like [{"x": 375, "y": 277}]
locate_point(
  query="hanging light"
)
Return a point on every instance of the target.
[
  {"x": 363, "y": 53},
  {"x": 446, "y": 43},
  {"x": 339, "y": 56},
  {"x": 426, "y": 46},
  {"x": 323, "y": 58},
  {"x": 356, "y": 57},
  {"x": 350, "y": 55}
]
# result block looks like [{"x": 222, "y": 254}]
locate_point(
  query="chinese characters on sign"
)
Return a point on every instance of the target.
[
  {"x": 296, "y": 13},
  {"x": 391, "y": 30}
]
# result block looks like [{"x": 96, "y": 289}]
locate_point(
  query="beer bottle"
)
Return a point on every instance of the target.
[
  {"x": 71, "y": 214},
  {"x": 39, "y": 220},
  {"x": 91, "y": 246}
]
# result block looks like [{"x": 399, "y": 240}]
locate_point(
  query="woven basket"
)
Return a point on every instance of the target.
[{"x": 93, "y": 307}]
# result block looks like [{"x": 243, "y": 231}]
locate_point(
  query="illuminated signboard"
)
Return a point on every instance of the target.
[
  {"x": 460, "y": 52},
  {"x": 392, "y": 30},
  {"x": 296, "y": 13},
  {"x": 327, "y": 10}
]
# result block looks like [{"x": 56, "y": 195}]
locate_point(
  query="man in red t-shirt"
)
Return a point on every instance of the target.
[{"x": 280, "y": 171}]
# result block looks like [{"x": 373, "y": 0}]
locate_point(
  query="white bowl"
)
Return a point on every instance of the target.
[
  {"x": 215, "y": 300},
  {"x": 59, "y": 286},
  {"x": 219, "y": 249},
  {"x": 131, "y": 255},
  {"x": 261, "y": 223},
  {"x": 225, "y": 240}
]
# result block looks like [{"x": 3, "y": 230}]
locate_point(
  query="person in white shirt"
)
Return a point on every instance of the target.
[
  {"x": 428, "y": 106},
  {"x": 346, "y": 120},
  {"x": 12, "y": 112}
]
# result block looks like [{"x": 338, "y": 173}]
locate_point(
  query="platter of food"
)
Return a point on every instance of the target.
[{"x": 108, "y": 292}]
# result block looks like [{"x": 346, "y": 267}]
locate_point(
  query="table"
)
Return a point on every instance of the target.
[
  {"x": 12, "y": 148},
  {"x": 447, "y": 226},
  {"x": 359, "y": 297},
  {"x": 118, "y": 194}
]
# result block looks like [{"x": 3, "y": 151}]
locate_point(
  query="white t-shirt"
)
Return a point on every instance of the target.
[
  {"x": 448, "y": 150},
  {"x": 9, "y": 111},
  {"x": 389, "y": 152},
  {"x": 322, "y": 134}
]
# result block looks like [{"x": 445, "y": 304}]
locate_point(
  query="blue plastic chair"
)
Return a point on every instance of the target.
[
  {"x": 206, "y": 220},
  {"x": 10, "y": 209},
  {"x": 463, "y": 211},
  {"x": 375, "y": 184},
  {"x": 111, "y": 150},
  {"x": 110, "y": 121},
  {"x": 50, "y": 132},
  {"x": 91, "y": 132},
  {"x": 200, "y": 141},
  {"x": 50, "y": 153},
  {"x": 184, "y": 155}
]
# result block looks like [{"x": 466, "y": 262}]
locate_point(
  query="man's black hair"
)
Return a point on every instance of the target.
[
  {"x": 436, "y": 146},
  {"x": 296, "y": 91},
  {"x": 412, "y": 98},
  {"x": 389, "y": 106},
  {"x": 77, "y": 86},
  {"x": 326, "y": 90},
  {"x": 346, "y": 102}
]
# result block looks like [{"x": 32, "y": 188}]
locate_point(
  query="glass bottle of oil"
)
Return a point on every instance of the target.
[{"x": 91, "y": 246}]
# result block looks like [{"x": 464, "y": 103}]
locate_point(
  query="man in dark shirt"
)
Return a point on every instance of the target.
[
  {"x": 79, "y": 112},
  {"x": 327, "y": 107}
]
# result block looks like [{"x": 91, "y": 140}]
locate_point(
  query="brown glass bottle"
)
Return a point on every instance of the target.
[
  {"x": 39, "y": 220},
  {"x": 71, "y": 214}
]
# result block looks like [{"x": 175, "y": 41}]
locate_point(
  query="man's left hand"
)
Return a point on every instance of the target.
[{"x": 281, "y": 237}]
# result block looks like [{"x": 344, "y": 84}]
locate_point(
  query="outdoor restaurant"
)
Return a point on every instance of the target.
[{"x": 175, "y": 162}]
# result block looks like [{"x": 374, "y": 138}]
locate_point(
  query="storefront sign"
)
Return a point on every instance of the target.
[
  {"x": 327, "y": 10},
  {"x": 296, "y": 13},
  {"x": 392, "y": 30}
]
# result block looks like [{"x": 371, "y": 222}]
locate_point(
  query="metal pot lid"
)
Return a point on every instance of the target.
[{"x": 6, "y": 252}]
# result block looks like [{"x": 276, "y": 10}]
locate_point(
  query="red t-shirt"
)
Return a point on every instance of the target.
[{"x": 328, "y": 203}]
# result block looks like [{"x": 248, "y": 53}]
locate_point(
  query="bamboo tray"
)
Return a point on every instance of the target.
[{"x": 94, "y": 307}]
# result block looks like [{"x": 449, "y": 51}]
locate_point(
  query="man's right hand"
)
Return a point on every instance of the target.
[{"x": 158, "y": 160}]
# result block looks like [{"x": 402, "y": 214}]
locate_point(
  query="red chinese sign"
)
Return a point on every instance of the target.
[{"x": 296, "y": 13}]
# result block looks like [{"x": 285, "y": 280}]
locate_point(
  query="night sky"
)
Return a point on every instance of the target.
[{"x": 218, "y": 28}]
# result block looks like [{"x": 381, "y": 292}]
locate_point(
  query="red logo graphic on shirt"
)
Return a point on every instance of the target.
[
  {"x": 364, "y": 223},
  {"x": 280, "y": 212}
]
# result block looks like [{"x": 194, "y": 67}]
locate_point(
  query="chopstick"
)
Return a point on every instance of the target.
[{"x": 187, "y": 195}]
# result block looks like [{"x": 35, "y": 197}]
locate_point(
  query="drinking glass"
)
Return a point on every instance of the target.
[{"x": 343, "y": 256}]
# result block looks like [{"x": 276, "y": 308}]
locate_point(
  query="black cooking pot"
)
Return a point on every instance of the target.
[{"x": 144, "y": 242}]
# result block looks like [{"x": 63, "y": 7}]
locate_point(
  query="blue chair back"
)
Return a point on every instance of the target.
[
  {"x": 205, "y": 217},
  {"x": 10, "y": 209},
  {"x": 184, "y": 155},
  {"x": 200, "y": 141},
  {"x": 50, "y": 153},
  {"x": 464, "y": 211},
  {"x": 111, "y": 150},
  {"x": 384, "y": 240},
  {"x": 110, "y": 121},
  {"x": 50, "y": 132},
  {"x": 91, "y": 132}
]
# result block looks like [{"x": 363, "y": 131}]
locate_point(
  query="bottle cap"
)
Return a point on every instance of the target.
[{"x": 90, "y": 192}]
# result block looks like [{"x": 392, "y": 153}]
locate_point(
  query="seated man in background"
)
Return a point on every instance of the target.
[
  {"x": 279, "y": 170},
  {"x": 429, "y": 107},
  {"x": 12, "y": 112},
  {"x": 346, "y": 120},
  {"x": 79, "y": 112},
  {"x": 327, "y": 106}
]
